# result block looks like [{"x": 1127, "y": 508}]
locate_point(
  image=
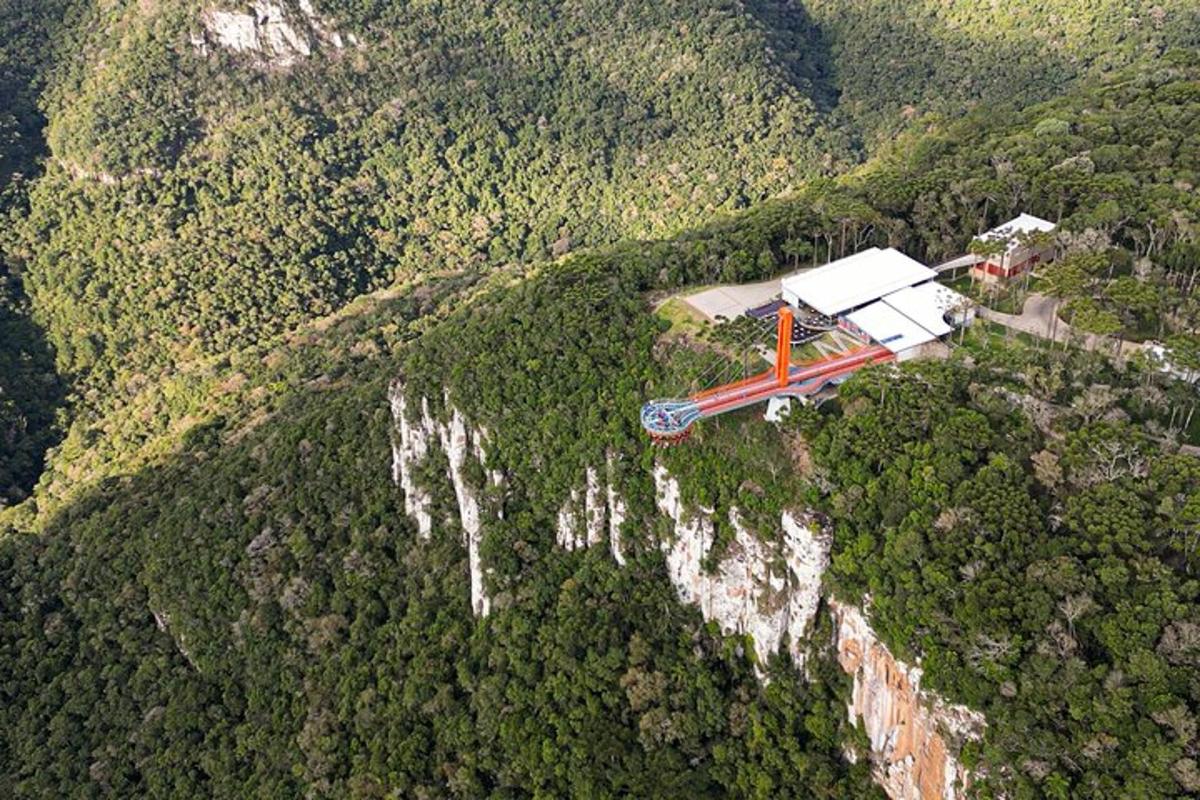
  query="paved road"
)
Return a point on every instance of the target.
[{"x": 1037, "y": 319}]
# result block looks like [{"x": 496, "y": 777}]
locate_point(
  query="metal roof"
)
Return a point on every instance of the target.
[
  {"x": 1025, "y": 223},
  {"x": 856, "y": 280},
  {"x": 889, "y": 327},
  {"x": 927, "y": 305}
]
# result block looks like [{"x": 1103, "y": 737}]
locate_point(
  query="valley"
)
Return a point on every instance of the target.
[{"x": 325, "y": 331}]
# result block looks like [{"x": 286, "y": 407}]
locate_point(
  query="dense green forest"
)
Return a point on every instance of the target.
[
  {"x": 895, "y": 61},
  {"x": 30, "y": 396},
  {"x": 194, "y": 202},
  {"x": 1044, "y": 576},
  {"x": 214, "y": 264},
  {"x": 1022, "y": 518},
  {"x": 306, "y": 642}
]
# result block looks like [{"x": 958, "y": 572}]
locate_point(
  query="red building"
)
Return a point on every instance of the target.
[{"x": 1019, "y": 254}]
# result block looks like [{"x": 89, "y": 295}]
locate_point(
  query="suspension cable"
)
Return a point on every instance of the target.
[{"x": 723, "y": 369}]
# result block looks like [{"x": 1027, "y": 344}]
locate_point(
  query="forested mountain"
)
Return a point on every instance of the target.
[
  {"x": 176, "y": 197},
  {"x": 203, "y": 191},
  {"x": 228, "y": 228},
  {"x": 898, "y": 60},
  {"x": 30, "y": 395},
  {"x": 199, "y": 198}
]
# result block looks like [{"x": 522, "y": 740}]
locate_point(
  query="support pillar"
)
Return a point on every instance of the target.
[{"x": 783, "y": 346}]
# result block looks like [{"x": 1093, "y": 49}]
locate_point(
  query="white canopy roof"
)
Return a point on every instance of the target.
[
  {"x": 889, "y": 327},
  {"x": 1025, "y": 223},
  {"x": 852, "y": 281},
  {"x": 927, "y": 305}
]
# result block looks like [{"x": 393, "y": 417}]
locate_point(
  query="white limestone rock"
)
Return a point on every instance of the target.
[
  {"x": 771, "y": 592},
  {"x": 595, "y": 507},
  {"x": 806, "y": 548},
  {"x": 457, "y": 446},
  {"x": 915, "y": 736},
  {"x": 616, "y": 515},
  {"x": 585, "y": 516},
  {"x": 567, "y": 535},
  {"x": 753, "y": 591},
  {"x": 410, "y": 448},
  {"x": 777, "y": 409},
  {"x": 272, "y": 32}
]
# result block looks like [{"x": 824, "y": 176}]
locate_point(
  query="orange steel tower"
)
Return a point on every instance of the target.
[
  {"x": 783, "y": 346},
  {"x": 669, "y": 421}
]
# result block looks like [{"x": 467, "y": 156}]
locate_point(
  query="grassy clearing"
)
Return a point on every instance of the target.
[
  {"x": 683, "y": 319},
  {"x": 984, "y": 335}
]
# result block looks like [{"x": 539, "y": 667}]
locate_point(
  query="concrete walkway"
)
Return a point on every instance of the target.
[
  {"x": 962, "y": 262},
  {"x": 1037, "y": 319}
]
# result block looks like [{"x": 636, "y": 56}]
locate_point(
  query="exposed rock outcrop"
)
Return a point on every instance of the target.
[
  {"x": 588, "y": 512},
  {"x": 164, "y": 622},
  {"x": 770, "y": 592},
  {"x": 410, "y": 448},
  {"x": 773, "y": 593},
  {"x": 616, "y": 515},
  {"x": 456, "y": 442},
  {"x": 270, "y": 31},
  {"x": 587, "y": 515},
  {"x": 914, "y": 736},
  {"x": 568, "y": 533},
  {"x": 595, "y": 509}
]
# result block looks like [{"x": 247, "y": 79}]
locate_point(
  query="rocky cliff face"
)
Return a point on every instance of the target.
[
  {"x": 601, "y": 513},
  {"x": 415, "y": 433},
  {"x": 589, "y": 514},
  {"x": 270, "y": 32},
  {"x": 914, "y": 736},
  {"x": 768, "y": 591},
  {"x": 772, "y": 593}
]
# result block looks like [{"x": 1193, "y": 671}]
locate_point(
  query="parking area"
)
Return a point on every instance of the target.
[{"x": 729, "y": 301}]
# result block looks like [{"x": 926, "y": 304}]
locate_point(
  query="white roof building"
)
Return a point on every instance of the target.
[
  {"x": 854, "y": 281},
  {"x": 889, "y": 327},
  {"x": 929, "y": 304},
  {"x": 1025, "y": 223}
]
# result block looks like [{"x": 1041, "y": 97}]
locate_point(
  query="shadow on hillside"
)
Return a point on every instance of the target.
[
  {"x": 31, "y": 391},
  {"x": 878, "y": 68},
  {"x": 802, "y": 46},
  {"x": 31, "y": 394}
]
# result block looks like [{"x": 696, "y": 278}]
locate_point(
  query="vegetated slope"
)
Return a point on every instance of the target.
[
  {"x": 33, "y": 34},
  {"x": 198, "y": 198},
  {"x": 1116, "y": 164},
  {"x": 1024, "y": 525},
  {"x": 898, "y": 60},
  {"x": 255, "y": 610},
  {"x": 30, "y": 391}
]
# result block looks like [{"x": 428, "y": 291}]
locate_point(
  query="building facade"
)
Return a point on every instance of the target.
[{"x": 1019, "y": 255}]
